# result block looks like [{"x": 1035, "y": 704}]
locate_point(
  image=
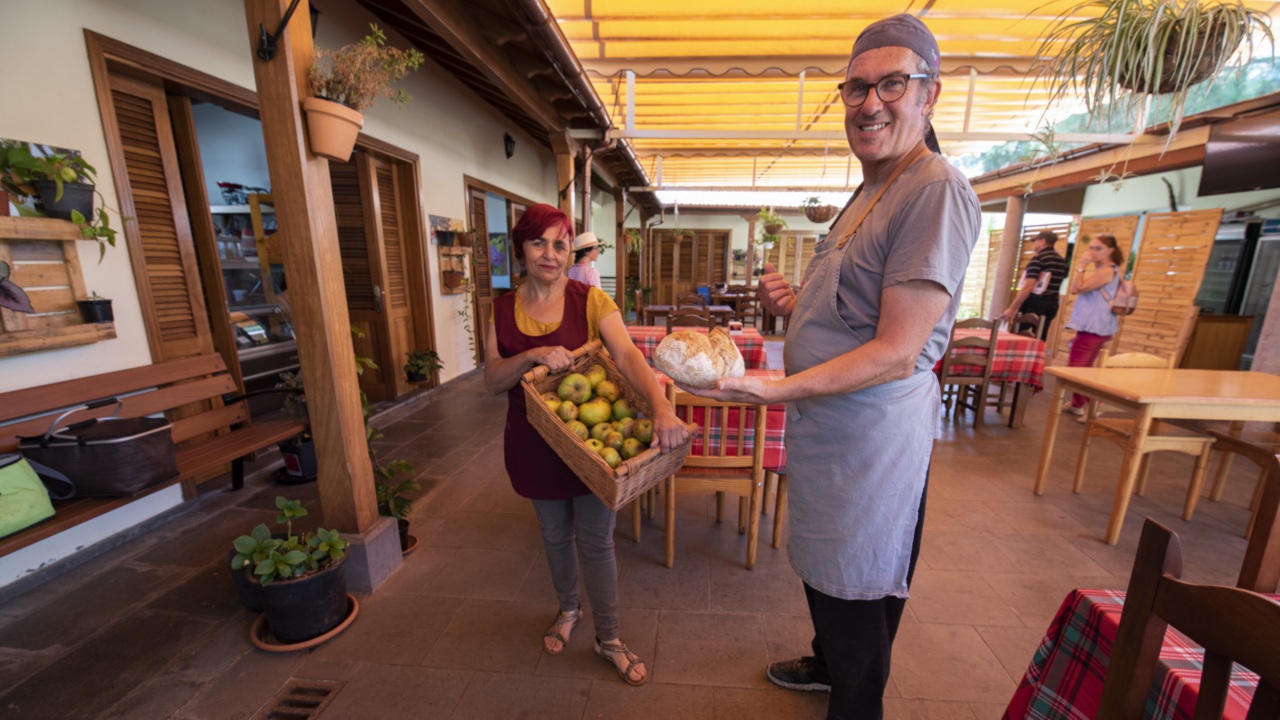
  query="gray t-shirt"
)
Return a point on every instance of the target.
[{"x": 924, "y": 228}]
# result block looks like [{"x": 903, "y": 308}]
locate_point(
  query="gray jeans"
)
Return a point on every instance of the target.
[{"x": 592, "y": 523}]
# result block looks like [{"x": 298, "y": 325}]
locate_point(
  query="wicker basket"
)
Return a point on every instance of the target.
[
  {"x": 614, "y": 487},
  {"x": 820, "y": 213}
]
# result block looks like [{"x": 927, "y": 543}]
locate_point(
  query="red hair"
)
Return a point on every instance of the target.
[{"x": 537, "y": 220}]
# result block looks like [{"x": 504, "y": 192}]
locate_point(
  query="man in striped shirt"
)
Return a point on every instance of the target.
[{"x": 1041, "y": 284}]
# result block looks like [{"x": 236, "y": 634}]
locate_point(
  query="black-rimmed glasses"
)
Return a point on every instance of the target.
[{"x": 889, "y": 88}]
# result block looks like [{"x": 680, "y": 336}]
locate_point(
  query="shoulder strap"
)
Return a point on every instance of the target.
[
  {"x": 916, "y": 154},
  {"x": 46, "y": 474},
  {"x": 1103, "y": 289}
]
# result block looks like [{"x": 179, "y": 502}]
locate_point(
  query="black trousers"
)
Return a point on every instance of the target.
[{"x": 853, "y": 640}]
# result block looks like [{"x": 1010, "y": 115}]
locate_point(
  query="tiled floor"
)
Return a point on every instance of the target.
[{"x": 152, "y": 630}]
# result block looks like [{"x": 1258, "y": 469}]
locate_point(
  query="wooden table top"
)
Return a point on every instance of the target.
[{"x": 1145, "y": 386}]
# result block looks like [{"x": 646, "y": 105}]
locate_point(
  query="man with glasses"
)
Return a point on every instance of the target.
[{"x": 873, "y": 316}]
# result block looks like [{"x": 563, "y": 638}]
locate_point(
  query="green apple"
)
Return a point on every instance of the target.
[
  {"x": 595, "y": 373},
  {"x": 578, "y": 429},
  {"x": 622, "y": 409},
  {"x": 595, "y": 445},
  {"x": 631, "y": 447},
  {"x": 552, "y": 400},
  {"x": 607, "y": 389},
  {"x": 567, "y": 411},
  {"x": 626, "y": 426},
  {"x": 644, "y": 431},
  {"x": 600, "y": 430},
  {"x": 610, "y": 456},
  {"x": 575, "y": 387},
  {"x": 595, "y": 410},
  {"x": 613, "y": 440}
]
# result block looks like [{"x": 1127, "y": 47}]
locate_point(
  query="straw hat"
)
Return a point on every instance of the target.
[{"x": 584, "y": 241}]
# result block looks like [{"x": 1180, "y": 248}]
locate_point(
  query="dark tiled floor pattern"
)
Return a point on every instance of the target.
[{"x": 152, "y": 630}]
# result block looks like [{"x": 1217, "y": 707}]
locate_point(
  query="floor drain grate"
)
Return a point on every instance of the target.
[{"x": 300, "y": 700}]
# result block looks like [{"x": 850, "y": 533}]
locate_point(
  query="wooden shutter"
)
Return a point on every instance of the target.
[
  {"x": 397, "y": 288},
  {"x": 348, "y": 206},
  {"x": 149, "y": 186},
  {"x": 480, "y": 248},
  {"x": 1124, "y": 229}
]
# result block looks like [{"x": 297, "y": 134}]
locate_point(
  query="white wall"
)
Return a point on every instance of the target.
[
  {"x": 1150, "y": 194},
  {"x": 453, "y": 132}
]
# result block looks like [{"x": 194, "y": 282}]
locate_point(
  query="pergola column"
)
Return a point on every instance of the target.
[
  {"x": 565, "y": 149},
  {"x": 1010, "y": 242}
]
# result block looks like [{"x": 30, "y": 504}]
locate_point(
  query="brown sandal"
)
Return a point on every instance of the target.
[
  {"x": 604, "y": 650},
  {"x": 573, "y": 616}
]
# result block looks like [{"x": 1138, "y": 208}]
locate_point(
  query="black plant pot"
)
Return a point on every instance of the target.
[
  {"x": 247, "y": 589},
  {"x": 306, "y": 607},
  {"x": 417, "y": 377},
  {"x": 96, "y": 310},
  {"x": 300, "y": 463},
  {"x": 403, "y": 526},
  {"x": 75, "y": 196}
]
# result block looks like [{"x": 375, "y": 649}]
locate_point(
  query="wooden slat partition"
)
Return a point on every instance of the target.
[{"x": 1125, "y": 229}]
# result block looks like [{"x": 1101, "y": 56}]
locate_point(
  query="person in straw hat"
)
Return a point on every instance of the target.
[{"x": 586, "y": 248}]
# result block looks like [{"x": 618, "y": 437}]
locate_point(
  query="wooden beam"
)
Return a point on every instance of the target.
[
  {"x": 305, "y": 215},
  {"x": 620, "y": 250},
  {"x": 566, "y": 173}
]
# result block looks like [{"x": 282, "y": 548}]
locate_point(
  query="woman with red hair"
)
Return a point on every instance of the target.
[{"x": 541, "y": 323}]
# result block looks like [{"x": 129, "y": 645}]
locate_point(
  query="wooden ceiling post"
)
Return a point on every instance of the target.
[
  {"x": 621, "y": 250},
  {"x": 308, "y": 227},
  {"x": 586, "y": 193},
  {"x": 565, "y": 148},
  {"x": 1010, "y": 243}
]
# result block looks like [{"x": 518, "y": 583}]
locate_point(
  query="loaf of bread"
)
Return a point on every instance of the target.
[{"x": 696, "y": 359}]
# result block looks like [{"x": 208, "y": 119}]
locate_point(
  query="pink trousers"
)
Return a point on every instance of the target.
[{"x": 1084, "y": 350}]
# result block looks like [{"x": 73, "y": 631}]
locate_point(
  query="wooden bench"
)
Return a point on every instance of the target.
[{"x": 211, "y": 427}]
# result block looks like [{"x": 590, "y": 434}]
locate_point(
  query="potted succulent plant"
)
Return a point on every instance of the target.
[
  {"x": 421, "y": 364},
  {"x": 96, "y": 309},
  {"x": 1109, "y": 51},
  {"x": 303, "y": 589},
  {"x": 63, "y": 184},
  {"x": 818, "y": 211},
  {"x": 345, "y": 83},
  {"x": 771, "y": 222}
]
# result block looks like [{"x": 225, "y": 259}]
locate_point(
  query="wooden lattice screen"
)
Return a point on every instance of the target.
[
  {"x": 1171, "y": 262},
  {"x": 1124, "y": 229},
  {"x": 1026, "y": 250}
]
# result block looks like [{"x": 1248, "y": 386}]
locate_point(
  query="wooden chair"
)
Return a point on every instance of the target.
[
  {"x": 641, "y": 318},
  {"x": 1231, "y": 624},
  {"x": 748, "y": 311},
  {"x": 1028, "y": 324},
  {"x": 964, "y": 351},
  {"x": 690, "y": 300},
  {"x": 1120, "y": 429},
  {"x": 689, "y": 317},
  {"x": 733, "y": 462},
  {"x": 1260, "y": 447}
]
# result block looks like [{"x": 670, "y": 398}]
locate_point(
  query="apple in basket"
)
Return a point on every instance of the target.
[
  {"x": 611, "y": 456},
  {"x": 626, "y": 426},
  {"x": 552, "y": 400},
  {"x": 622, "y": 409},
  {"x": 644, "y": 431},
  {"x": 567, "y": 411},
  {"x": 595, "y": 410},
  {"x": 595, "y": 445},
  {"x": 578, "y": 429},
  {"x": 607, "y": 389},
  {"x": 600, "y": 430},
  {"x": 631, "y": 447},
  {"x": 575, "y": 387},
  {"x": 614, "y": 440},
  {"x": 595, "y": 374}
]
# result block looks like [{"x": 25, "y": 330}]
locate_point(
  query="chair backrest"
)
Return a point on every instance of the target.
[
  {"x": 964, "y": 351},
  {"x": 639, "y": 300},
  {"x": 691, "y": 299},
  {"x": 689, "y": 317},
  {"x": 1028, "y": 324},
  {"x": 1133, "y": 360},
  {"x": 1231, "y": 624},
  {"x": 729, "y": 431},
  {"x": 748, "y": 307}
]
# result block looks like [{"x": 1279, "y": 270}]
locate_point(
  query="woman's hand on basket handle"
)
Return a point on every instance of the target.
[
  {"x": 668, "y": 431},
  {"x": 555, "y": 357},
  {"x": 501, "y": 374}
]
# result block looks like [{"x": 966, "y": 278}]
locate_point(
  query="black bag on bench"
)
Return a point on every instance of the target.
[{"x": 107, "y": 457}]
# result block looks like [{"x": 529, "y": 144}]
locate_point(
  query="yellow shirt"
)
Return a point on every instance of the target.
[{"x": 599, "y": 305}]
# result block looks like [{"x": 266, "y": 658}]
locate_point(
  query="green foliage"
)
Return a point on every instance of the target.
[
  {"x": 814, "y": 201},
  {"x": 423, "y": 362},
  {"x": 20, "y": 169},
  {"x": 633, "y": 240},
  {"x": 357, "y": 74},
  {"x": 768, "y": 216},
  {"x": 289, "y": 557}
]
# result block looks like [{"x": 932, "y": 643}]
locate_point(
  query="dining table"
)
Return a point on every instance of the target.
[
  {"x": 1157, "y": 394},
  {"x": 722, "y": 313},
  {"x": 749, "y": 341},
  {"x": 1064, "y": 680},
  {"x": 1019, "y": 359},
  {"x": 731, "y": 299}
]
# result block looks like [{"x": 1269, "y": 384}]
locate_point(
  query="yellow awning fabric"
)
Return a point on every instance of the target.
[{"x": 742, "y": 93}]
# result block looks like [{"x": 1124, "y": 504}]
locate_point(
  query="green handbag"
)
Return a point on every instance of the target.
[{"x": 24, "y": 500}]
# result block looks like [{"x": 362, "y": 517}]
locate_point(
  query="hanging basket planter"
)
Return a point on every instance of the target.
[
  {"x": 332, "y": 128},
  {"x": 820, "y": 213},
  {"x": 1173, "y": 76},
  {"x": 772, "y": 228}
]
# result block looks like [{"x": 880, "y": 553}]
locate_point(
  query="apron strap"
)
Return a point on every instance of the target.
[{"x": 914, "y": 155}]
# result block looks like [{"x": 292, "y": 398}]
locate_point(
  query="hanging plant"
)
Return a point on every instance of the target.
[
  {"x": 633, "y": 239},
  {"x": 1127, "y": 48},
  {"x": 771, "y": 222},
  {"x": 818, "y": 211}
]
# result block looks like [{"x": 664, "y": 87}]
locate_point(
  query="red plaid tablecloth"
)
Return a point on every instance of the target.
[
  {"x": 1019, "y": 359},
  {"x": 750, "y": 343},
  {"x": 775, "y": 425},
  {"x": 1065, "y": 678}
]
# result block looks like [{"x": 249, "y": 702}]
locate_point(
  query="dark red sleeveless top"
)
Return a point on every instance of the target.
[{"x": 536, "y": 471}]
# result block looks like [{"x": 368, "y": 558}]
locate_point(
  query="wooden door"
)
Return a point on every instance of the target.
[
  {"x": 398, "y": 323},
  {"x": 149, "y": 185},
  {"x": 482, "y": 276}
]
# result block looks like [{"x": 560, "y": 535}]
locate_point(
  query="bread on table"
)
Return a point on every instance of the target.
[{"x": 698, "y": 360}]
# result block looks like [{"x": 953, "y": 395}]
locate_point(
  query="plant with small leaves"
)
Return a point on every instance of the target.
[
  {"x": 633, "y": 240},
  {"x": 292, "y": 556},
  {"x": 20, "y": 170},
  {"x": 813, "y": 201},
  {"x": 423, "y": 362},
  {"x": 771, "y": 222},
  {"x": 357, "y": 74}
]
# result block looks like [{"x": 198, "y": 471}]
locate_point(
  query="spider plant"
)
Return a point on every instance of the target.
[{"x": 1125, "y": 50}]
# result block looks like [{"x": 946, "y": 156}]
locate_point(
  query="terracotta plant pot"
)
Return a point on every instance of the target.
[
  {"x": 453, "y": 278},
  {"x": 332, "y": 128}
]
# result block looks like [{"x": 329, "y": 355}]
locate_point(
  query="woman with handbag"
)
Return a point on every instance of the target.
[
  {"x": 1094, "y": 283},
  {"x": 540, "y": 324}
]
